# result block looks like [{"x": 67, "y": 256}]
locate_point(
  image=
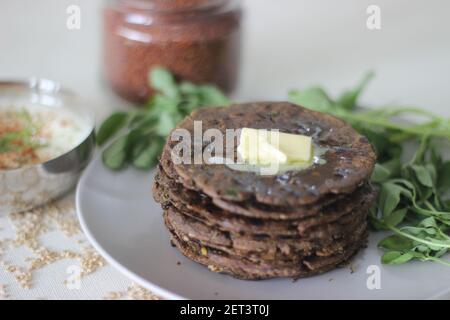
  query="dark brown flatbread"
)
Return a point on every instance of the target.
[
  {"x": 248, "y": 208},
  {"x": 292, "y": 224},
  {"x": 264, "y": 248},
  {"x": 241, "y": 268},
  {"x": 200, "y": 207},
  {"x": 350, "y": 158}
]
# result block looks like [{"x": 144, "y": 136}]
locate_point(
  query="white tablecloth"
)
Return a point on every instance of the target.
[{"x": 287, "y": 44}]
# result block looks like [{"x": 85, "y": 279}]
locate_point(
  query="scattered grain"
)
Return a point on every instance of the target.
[
  {"x": 3, "y": 292},
  {"x": 133, "y": 292},
  {"x": 113, "y": 296},
  {"x": 90, "y": 261},
  {"x": 136, "y": 292},
  {"x": 29, "y": 226},
  {"x": 43, "y": 258},
  {"x": 63, "y": 215},
  {"x": 23, "y": 277}
]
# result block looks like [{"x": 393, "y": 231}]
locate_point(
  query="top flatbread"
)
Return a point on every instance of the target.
[{"x": 349, "y": 157}]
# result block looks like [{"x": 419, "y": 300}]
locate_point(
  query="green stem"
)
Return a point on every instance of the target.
[
  {"x": 419, "y": 155},
  {"x": 429, "y": 205},
  {"x": 390, "y": 125},
  {"x": 401, "y": 110},
  {"x": 438, "y": 260},
  {"x": 409, "y": 236},
  {"x": 443, "y": 234}
]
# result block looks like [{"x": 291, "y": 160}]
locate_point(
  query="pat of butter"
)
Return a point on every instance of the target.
[
  {"x": 254, "y": 148},
  {"x": 296, "y": 147},
  {"x": 260, "y": 146}
]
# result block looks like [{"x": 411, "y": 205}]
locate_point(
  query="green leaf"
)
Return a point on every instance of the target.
[
  {"x": 137, "y": 144},
  {"x": 113, "y": 124},
  {"x": 188, "y": 88},
  {"x": 162, "y": 80},
  {"x": 385, "y": 148},
  {"x": 416, "y": 231},
  {"x": 396, "y": 217},
  {"x": 422, "y": 249},
  {"x": 396, "y": 243},
  {"x": 389, "y": 198},
  {"x": 165, "y": 124},
  {"x": 144, "y": 121},
  {"x": 444, "y": 177},
  {"x": 396, "y": 257},
  {"x": 407, "y": 187},
  {"x": 413, "y": 196},
  {"x": 313, "y": 98},
  {"x": 349, "y": 98},
  {"x": 394, "y": 166},
  {"x": 435, "y": 156},
  {"x": 149, "y": 126},
  {"x": 147, "y": 158},
  {"x": 160, "y": 103},
  {"x": 212, "y": 96},
  {"x": 429, "y": 222},
  {"x": 437, "y": 244},
  {"x": 189, "y": 105},
  {"x": 423, "y": 175},
  {"x": 380, "y": 173},
  {"x": 114, "y": 157},
  {"x": 431, "y": 168}
]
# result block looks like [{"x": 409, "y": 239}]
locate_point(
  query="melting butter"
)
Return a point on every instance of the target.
[
  {"x": 316, "y": 159},
  {"x": 264, "y": 147}
]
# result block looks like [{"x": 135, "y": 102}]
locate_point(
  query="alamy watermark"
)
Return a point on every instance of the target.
[
  {"x": 73, "y": 282},
  {"x": 214, "y": 147},
  {"x": 373, "y": 282},
  {"x": 73, "y": 21},
  {"x": 373, "y": 21}
]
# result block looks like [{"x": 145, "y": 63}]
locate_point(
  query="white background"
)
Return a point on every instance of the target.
[{"x": 287, "y": 44}]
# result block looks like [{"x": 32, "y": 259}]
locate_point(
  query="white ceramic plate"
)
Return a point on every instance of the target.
[{"x": 122, "y": 221}]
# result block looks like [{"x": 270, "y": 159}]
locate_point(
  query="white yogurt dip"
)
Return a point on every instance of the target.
[{"x": 31, "y": 134}]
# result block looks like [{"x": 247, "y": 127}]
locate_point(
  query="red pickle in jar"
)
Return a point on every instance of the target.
[{"x": 198, "y": 40}]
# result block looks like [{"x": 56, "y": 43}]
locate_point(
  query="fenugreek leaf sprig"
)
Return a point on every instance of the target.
[
  {"x": 413, "y": 201},
  {"x": 138, "y": 136}
]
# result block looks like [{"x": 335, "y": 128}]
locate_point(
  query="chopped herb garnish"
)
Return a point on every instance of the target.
[
  {"x": 18, "y": 139},
  {"x": 231, "y": 192}
]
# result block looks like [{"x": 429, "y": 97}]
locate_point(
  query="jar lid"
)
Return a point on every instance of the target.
[{"x": 176, "y": 5}]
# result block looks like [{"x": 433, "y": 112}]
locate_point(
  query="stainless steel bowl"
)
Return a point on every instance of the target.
[{"x": 34, "y": 185}]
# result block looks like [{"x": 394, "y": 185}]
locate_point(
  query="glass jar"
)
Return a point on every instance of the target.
[{"x": 198, "y": 40}]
